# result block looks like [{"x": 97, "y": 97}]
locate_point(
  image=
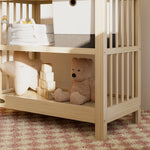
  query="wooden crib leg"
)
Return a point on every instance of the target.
[
  {"x": 137, "y": 116},
  {"x": 100, "y": 130}
]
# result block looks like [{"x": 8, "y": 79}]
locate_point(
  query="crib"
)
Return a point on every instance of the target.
[{"x": 117, "y": 56}]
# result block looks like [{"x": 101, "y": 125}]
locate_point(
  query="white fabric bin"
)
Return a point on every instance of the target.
[{"x": 75, "y": 18}]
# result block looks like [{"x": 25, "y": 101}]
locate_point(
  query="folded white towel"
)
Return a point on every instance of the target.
[
  {"x": 31, "y": 34},
  {"x": 31, "y": 43},
  {"x": 37, "y": 36},
  {"x": 30, "y": 27}
]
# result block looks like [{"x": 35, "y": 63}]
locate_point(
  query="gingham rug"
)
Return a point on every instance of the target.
[{"x": 26, "y": 131}]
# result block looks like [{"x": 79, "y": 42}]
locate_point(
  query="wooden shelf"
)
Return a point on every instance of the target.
[
  {"x": 49, "y": 49},
  {"x": 31, "y": 102}
]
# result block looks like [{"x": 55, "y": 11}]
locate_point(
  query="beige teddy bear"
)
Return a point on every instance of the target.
[{"x": 83, "y": 87}]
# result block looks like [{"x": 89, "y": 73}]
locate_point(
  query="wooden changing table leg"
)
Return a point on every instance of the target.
[
  {"x": 100, "y": 130},
  {"x": 100, "y": 69},
  {"x": 101, "y": 97},
  {"x": 100, "y": 92},
  {"x": 137, "y": 116}
]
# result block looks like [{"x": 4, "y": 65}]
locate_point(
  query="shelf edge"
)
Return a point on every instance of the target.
[
  {"x": 51, "y": 108},
  {"x": 49, "y": 49}
]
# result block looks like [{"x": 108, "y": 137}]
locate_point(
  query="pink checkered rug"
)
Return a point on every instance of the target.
[{"x": 26, "y": 131}]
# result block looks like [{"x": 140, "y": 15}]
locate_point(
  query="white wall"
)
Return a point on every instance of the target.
[{"x": 145, "y": 23}]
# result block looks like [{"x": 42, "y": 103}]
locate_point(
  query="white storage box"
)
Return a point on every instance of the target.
[{"x": 74, "y": 22}]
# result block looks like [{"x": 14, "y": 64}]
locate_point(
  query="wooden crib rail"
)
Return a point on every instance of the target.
[
  {"x": 121, "y": 78},
  {"x": 123, "y": 23}
]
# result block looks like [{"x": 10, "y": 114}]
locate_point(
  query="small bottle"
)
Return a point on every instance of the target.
[{"x": 4, "y": 29}]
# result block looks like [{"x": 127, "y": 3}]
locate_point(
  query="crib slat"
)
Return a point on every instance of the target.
[
  {"x": 37, "y": 13},
  {"x": 10, "y": 56},
  {"x": 116, "y": 78},
  {"x": 27, "y": 12},
  {"x": 127, "y": 22},
  {"x": 33, "y": 11},
  {"x": 106, "y": 80},
  {"x": 122, "y": 23},
  {"x": 137, "y": 23},
  {"x": 122, "y": 77},
  {"x": 4, "y": 56},
  {"x": 21, "y": 14},
  {"x": 7, "y": 77},
  {"x": 111, "y": 79},
  {"x": 132, "y": 82},
  {"x": 8, "y": 10},
  {"x": 30, "y": 54},
  {"x": 127, "y": 75},
  {"x": 117, "y": 22},
  {"x": 136, "y": 75},
  {"x": 14, "y": 9},
  {"x": 132, "y": 17},
  {"x": 7, "y": 53},
  {"x": 110, "y": 22},
  {"x": 36, "y": 16}
]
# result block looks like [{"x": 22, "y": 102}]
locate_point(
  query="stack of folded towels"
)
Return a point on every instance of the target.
[{"x": 29, "y": 33}]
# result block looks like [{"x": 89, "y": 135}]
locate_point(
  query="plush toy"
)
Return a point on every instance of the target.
[
  {"x": 83, "y": 87},
  {"x": 24, "y": 71}
]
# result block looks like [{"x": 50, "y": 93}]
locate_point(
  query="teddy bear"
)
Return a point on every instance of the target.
[
  {"x": 83, "y": 83},
  {"x": 24, "y": 71}
]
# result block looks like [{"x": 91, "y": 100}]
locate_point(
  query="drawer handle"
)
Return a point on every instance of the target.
[{"x": 73, "y": 2}]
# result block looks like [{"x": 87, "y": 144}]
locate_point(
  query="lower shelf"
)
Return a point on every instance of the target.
[{"x": 31, "y": 102}]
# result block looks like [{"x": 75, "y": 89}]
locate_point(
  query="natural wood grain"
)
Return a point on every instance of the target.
[
  {"x": 127, "y": 23},
  {"x": 116, "y": 78},
  {"x": 117, "y": 21},
  {"x": 120, "y": 50},
  {"x": 122, "y": 109},
  {"x": 100, "y": 45},
  {"x": 132, "y": 74},
  {"x": 132, "y": 18},
  {"x": 32, "y": 102},
  {"x": 111, "y": 79},
  {"x": 122, "y": 23},
  {"x": 122, "y": 77},
  {"x": 14, "y": 9},
  {"x": 127, "y": 76},
  {"x": 137, "y": 60},
  {"x": 27, "y": 12},
  {"x": 110, "y": 22},
  {"x": 21, "y": 13},
  {"x": 49, "y": 49}
]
